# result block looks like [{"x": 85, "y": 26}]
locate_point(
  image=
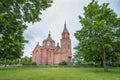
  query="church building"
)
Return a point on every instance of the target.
[{"x": 49, "y": 53}]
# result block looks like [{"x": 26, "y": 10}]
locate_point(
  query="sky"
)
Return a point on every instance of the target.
[{"x": 53, "y": 19}]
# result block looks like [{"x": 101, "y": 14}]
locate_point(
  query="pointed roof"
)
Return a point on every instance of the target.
[
  {"x": 57, "y": 49},
  {"x": 65, "y": 28},
  {"x": 49, "y": 36}
]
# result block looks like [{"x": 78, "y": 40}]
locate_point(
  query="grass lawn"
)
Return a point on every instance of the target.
[{"x": 58, "y": 74}]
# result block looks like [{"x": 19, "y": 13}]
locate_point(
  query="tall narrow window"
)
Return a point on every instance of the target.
[
  {"x": 36, "y": 56},
  {"x": 68, "y": 45},
  {"x": 48, "y": 43},
  {"x": 49, "y": 55}
]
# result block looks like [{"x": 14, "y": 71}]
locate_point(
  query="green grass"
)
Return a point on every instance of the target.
[{"x": 58, "y": 74}]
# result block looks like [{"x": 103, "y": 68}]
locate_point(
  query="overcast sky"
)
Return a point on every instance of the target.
[{"x": 53, "y": 19}]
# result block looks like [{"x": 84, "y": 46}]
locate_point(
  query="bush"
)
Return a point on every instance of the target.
[
  {"x": 63, "y": 63},
  {"x": 33, "y": 63}
]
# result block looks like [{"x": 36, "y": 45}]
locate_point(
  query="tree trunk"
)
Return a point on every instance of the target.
[
  {"x": 104, "y": 62},
  {"x": 5, "y": 62},
  {"x": 101, "y": 62}
]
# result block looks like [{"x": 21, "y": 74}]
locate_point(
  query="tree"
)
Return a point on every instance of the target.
[
  {"x": 26, "y": 60},
  {"x": 99, "y": 37},
  {"x": 14, "y": 14}
]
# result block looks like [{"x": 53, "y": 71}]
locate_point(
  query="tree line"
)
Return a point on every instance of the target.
[{"x": 18, "y": 61}]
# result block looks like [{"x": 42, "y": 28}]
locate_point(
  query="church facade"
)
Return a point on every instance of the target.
[{"x": 48, "y": 53}]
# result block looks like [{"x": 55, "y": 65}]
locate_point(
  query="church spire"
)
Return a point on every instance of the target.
[
  {"x": 65, "y": 28},
  {"x": 49, "y": 36},
  {"x": 65, "y": 33}
]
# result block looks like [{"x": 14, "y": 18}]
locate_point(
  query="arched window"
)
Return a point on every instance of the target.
[
  {"x": 66, "y": 35},
  {"x": 49, "y": 55},
  {"x": 36, "y": 56},
  {"x": 44, "y": 44},
  {"x": 48, "y": 43},
  {"x": 53, "y": 44}
]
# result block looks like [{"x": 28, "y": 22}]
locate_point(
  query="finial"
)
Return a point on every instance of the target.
[
  {"x": 58, "y": 44},
  {"x": 49, "y": 34},
  {"x": 65, "y": 23}
]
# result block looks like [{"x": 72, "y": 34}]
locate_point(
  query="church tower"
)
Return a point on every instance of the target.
[
  {"x": 49, "y": 43},
  {"x": 66, "y": 44}
]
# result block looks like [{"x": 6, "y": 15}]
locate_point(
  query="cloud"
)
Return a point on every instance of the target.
[{"x": 53, "y": 20}]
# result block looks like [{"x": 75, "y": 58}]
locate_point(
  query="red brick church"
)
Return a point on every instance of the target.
[{"x": 48, "y": 53}]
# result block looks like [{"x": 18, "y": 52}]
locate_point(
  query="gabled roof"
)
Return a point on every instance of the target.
[{"x": 37, "y": 45}]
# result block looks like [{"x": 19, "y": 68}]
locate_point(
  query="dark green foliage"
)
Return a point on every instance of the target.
[
  {"x": 14, "y": 14},
  {"x": 99, "y": 37},
  {"x": 63, "y": 63},
  {"x": 10, "y": 61},
  {"x": 33, "y": 63}
]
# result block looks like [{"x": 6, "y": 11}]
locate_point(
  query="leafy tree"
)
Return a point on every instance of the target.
[
  {"x": 26, "y": 60},
  {"x": 99, "y": 38},
  {"x": 77, "y": 59},
  {"x": 14, "y": 14},
  {"x": 10, "y": 61}
]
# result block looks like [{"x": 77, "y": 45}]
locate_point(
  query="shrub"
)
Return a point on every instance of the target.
[
  {"x": 33, "y": 63},
  {"x": 63, "y": 63}
]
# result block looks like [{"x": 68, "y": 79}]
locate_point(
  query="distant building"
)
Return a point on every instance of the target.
[{"x": 48, "y": 53}]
